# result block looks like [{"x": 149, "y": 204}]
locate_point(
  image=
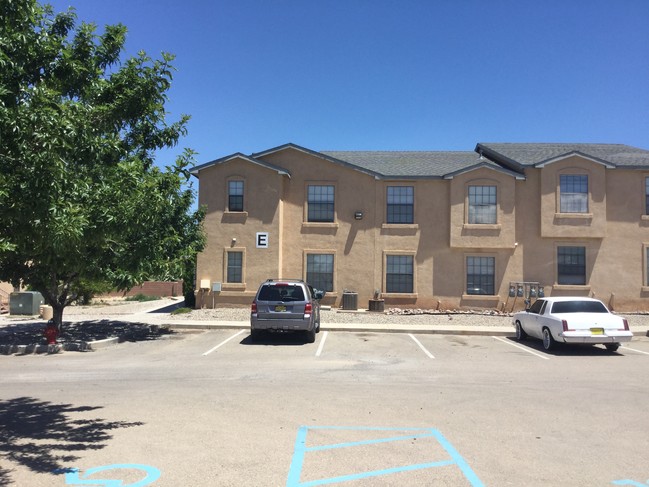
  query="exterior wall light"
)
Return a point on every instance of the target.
[{"x": 358, "y": 215}]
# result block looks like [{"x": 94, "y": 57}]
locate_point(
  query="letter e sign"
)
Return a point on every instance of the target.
[{"x": 262, "y": 240}]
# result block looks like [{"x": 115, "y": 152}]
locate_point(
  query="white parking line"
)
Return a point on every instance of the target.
[
  {"x": 508, "y": 342},
  {"x": 430, "y": 355},
  {"x": 322, "y": 340},
  {"x": 224, "y": 342},
  {"x": 634, "y": 350}
]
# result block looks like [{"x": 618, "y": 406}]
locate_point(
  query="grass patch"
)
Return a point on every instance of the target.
[
  {"x": 142, "y": 297},
  {"x": 181, "y": 311}
]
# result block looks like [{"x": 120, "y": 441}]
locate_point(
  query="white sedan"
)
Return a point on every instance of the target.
[{"x": 572, "y": 320}]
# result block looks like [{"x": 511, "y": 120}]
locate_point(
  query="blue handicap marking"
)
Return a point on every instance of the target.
[
  {"x": 630, "y": 482},
  {"x": 152, "y": 474},
  {"x": 455, "y": 459}
]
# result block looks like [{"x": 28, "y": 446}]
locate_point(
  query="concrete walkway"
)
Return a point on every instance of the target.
[{"x": 156, "y": 314}]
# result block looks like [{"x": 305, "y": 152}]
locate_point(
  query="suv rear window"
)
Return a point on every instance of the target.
[{"x": 280, "y": 292}]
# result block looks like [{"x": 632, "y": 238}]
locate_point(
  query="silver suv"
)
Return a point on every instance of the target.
[{"x": 286, "y": 305}]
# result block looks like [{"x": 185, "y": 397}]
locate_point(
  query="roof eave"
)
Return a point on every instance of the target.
[
  {"x": 498, "y": 158},
  {"x": 325, "y": 157},
  {"x": 597, "y": 160},
  {"x": 480, "y": 165},
  {"x": 238, "y": 155}
]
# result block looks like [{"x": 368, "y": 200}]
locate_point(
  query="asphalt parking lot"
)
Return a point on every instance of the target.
[{"x": 362, "y": 409}]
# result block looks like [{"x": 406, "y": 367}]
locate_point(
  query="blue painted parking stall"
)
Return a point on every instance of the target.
[
  {"x": 115, "y": 474},
  {"x": 442, "y": 457}
]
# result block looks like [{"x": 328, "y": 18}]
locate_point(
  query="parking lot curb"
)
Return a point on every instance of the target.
[
  {"x": 354, "y": 328},
  {"x": 33, "y": 349}
]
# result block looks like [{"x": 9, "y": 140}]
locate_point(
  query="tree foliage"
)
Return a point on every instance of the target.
[{"x": 82, "y": 204}]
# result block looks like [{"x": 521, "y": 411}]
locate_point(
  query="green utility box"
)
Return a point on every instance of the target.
[{"x": 25, "y": 303}]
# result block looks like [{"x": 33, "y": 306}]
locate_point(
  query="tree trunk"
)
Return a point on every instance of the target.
[{"x": 57, "y": 316}]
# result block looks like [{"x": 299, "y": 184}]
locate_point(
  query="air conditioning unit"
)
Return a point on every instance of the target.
[{"x": 25, "y": 303}]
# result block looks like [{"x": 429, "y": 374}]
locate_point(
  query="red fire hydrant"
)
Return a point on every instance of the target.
[{"x": 51, "y": 332}]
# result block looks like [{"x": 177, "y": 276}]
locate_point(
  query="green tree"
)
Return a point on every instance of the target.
[{"x": 81, "y": 202}]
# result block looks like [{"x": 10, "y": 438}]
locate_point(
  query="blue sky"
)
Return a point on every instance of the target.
[{"x": 394, "y": 74}]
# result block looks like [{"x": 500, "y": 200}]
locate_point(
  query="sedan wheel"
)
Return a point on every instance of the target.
[
  {"x": 612, "y": 347},
  {"x": 548, "y": 341},
  {"x": 520, "y": 333}
]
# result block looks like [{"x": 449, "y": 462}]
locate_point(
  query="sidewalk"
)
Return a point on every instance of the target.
[{"x": 156, "y": 315}]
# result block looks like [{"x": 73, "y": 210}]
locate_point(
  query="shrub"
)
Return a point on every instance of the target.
[{"x": 180, "y": 311}]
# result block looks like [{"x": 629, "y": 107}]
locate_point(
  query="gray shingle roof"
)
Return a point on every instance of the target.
[
  {"x": 534, "y": 154},
  {"x": 411, "y": 164},
  {"x": 509, "y": 158}
]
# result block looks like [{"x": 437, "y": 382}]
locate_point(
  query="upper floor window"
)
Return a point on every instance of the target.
[
  {"x": 480, "y": 275},
  {"x": 571, "y": 265},
  {"x": 401, "y": 202},
  {"x": 574, "y": 193},
  {"x": 320, "y": 271},
  {"x": 399, "y": 274},
  {"x": 235, "y": 195},
  {"x": 320, "y": 201},
  {"x": 235, "y": 267},
  {"x": 482, "y": 204}
]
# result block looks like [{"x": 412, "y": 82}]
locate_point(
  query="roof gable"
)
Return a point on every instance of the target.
[
  {"x": 239, "y": 156},
  {"x": 521, "y": 155},
  {"x": 322, "y": 155}
]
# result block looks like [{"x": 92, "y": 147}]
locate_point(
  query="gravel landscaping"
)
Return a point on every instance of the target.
[{"x": 392, "y": 315}]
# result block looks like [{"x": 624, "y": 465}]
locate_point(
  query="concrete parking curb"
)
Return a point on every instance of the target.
[
  {"x": 47, "y": 349},
  {"x": 59, "y": 347}
]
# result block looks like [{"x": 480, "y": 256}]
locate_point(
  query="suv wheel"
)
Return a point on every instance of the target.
[{"x": 310, "y": 335}]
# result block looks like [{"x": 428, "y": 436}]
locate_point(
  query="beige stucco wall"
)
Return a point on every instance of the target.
[
  {"x": 6, "y": 288},
  {"x": 523, "y": 242}
]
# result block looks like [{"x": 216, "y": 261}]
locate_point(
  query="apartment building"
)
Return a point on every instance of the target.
[{"x": 474, "y": 229}]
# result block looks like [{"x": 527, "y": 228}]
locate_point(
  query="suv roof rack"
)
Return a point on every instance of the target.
[{"x": 284, "y": 280}]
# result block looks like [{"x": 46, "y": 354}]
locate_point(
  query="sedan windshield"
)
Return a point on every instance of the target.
[{"x": 578, "y": 307}]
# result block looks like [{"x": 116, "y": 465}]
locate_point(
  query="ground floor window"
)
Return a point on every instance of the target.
[
  {"x": 235, "y": 267},
  {"x": 320, "y": 271},
  {"x": 399, "y": 277},
  {"x": 571, "y": 265},
  {"x": 480, "y": 275}
]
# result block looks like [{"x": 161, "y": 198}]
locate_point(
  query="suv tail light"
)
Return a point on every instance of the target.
[
  {"x": 308, "y": 308},
  {"x": 253, "y": 307}
]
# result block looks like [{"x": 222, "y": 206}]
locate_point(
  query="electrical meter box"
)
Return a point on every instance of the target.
[{"x": 25, "y": 303}]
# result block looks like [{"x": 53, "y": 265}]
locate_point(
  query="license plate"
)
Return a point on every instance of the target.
[
  {"x": 280, "y": 308},
  {"x": 597, "y": 331}
]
